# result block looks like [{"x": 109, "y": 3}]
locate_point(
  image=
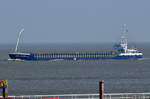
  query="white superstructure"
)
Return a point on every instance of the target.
[{"x": 124, "y": 44}]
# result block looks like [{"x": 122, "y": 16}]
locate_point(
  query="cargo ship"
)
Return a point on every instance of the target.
[{"x": 120, "y": 51}]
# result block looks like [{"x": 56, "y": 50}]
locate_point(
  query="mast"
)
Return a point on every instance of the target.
[
  {"x": 124, "y": 42},
  {"x": 16, "y": 49}
]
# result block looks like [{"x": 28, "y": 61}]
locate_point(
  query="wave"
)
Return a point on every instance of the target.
[{"x": 145, "y": 58}]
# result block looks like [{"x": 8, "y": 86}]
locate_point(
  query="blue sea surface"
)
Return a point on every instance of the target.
[{"x": 64, "y": 77}]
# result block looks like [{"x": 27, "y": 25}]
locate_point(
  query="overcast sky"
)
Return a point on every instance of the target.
[{"x": 73, "y": 21}]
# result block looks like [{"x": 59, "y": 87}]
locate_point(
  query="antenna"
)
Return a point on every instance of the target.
[
  {"x": 124, "y": 41},
  {"x": 18, "y": 40}
]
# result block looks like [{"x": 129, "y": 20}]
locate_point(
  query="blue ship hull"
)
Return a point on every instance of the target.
[{"x": 34, "y": 58}]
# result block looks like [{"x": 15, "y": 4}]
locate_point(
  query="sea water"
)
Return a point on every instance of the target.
[{"x": 73, "y": 77}]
